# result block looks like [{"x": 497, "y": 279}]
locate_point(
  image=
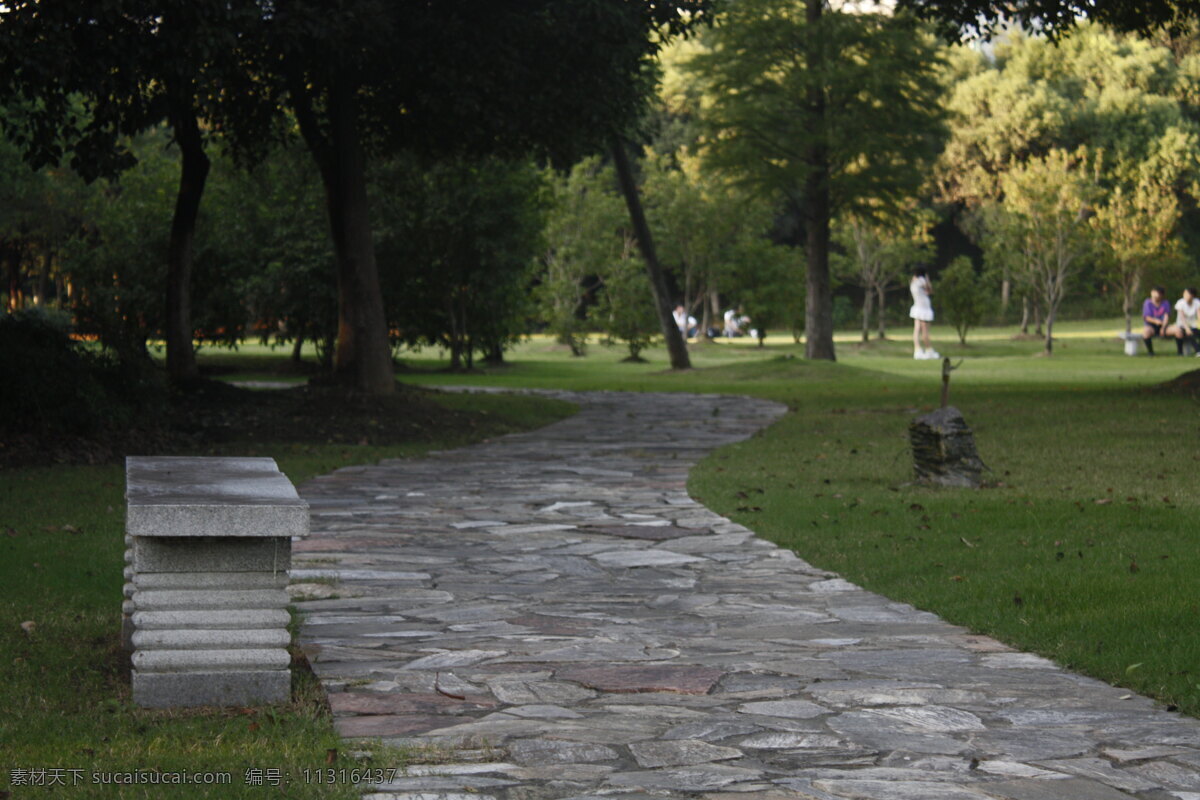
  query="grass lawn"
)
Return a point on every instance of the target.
[
  {"x": 1084, "y": 550},
  {"x": 63, "y": 690}
]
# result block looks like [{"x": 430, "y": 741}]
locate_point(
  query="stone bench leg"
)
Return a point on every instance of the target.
[{"x": 209, "y": 621}]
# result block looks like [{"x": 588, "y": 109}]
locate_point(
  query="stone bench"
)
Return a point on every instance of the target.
[{"x": 209, "y": 547}]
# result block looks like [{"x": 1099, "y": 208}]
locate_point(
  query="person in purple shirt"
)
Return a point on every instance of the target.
[{"x": 1156, "y": 311}]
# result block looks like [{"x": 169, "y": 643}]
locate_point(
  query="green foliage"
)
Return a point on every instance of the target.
[
  {"x": 1130, "y": 102},
  {"x": 1044, "y": 218},
  {"x": 963, "y": 296},
  {"x": 457, "y": 241},
  {"x": 54, "y": 385},
  {"x": 877, "y": 254},
  {"x": 626, "y": 309},
  {"x": 767, "y": 281},
  {"x": 1137, "y": 234},
  {"x": 1122, "y": 96},
  {"x": 965, "y": 18},
  {"x": 264, "y": 230},
  {"x": 880, "y": 123},
  {"x": 116, "y": 264},
  {"x": 713, "y": 237},
  {"x": 583, "y": 237}
]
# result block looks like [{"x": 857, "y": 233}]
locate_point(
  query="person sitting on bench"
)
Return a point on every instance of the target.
[
  {"x": 1186, "y": 327},
  {"x": 1156, "y": 312}
]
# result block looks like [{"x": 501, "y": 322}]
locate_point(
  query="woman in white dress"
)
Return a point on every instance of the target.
[{"x": 922, "y": 314}]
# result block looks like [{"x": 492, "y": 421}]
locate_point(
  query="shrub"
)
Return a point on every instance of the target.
[
  {"x": 962, "y": 296},
  {"x": 53, "y": 384}
]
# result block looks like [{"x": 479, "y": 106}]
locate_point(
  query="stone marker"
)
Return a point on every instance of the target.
[
  {"x": 209, "y": 546},
  {"x": 944, "y": 451}
]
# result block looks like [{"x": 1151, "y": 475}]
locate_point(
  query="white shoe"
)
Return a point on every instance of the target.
[
  {"x": 932, "y": 355},
  {"x": 919, "y": 355}
]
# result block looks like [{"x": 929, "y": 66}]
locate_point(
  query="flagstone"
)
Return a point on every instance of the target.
[{"x": 618, "y": 678}]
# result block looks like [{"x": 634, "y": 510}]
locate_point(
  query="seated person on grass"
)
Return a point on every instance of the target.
[
  {"x": 1186, "y": 327},
  {"x": 1156, "y": 312},
  {"x": 735, "y": 321}
]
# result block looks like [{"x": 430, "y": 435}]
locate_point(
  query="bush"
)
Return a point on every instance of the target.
[
  {"x": 53, "y": 384},
  {"x": 963, "y": 297}
]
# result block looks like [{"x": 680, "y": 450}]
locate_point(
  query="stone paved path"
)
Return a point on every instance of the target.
[{"x": 554, "y": 611}]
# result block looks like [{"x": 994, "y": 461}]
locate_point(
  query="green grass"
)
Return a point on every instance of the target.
[
  {"x": 1084, "y": 550},
  {"x": 63, "y": 691}
]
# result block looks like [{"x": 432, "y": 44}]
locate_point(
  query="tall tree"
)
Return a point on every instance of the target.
[
  {"x": 877, "y": 255},
  {"x": 89, "y": 75},
  {"x": 1137, "y": 230},
  {"x": 1045, "y": 216},
  {"x": 366, "y": 77},
  {"x": 825, "y": 111},
  {"x": 676, "y": 347}
]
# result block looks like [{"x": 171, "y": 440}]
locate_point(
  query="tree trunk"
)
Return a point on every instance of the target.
[
  {"x": 1127, "y": 300},
  {"x": 42, "y": 292},
  {"x": 297, "y": 346},
  {"x": 879, "y": 309},
  {"x": 714, "y": 302},
  {"x": 1005, "y": 293},
  {"x": 1050, "y": 333},
  {"x": 1025, "y": 315},
  {"x": 676, "y": 347},
  {"x": 868, "y": 296},
  {"x": 194, "y": 166},
  {"x": 1037, "y": 318},
  {"x": 12, "y": 257},
  {"x": 363, "y": 355},
  {"x": 818, "y": 317}
]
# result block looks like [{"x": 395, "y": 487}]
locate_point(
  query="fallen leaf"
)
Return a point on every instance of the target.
[
  {"x": 964, "y": 541},
  {"x": 28, "y": 626},
  {"x": 331, "y": 755},
  {"x": 1103, "y": 501}
]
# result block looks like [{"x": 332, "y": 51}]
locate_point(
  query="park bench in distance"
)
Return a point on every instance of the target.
[{"x": 209, "y": 547}]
